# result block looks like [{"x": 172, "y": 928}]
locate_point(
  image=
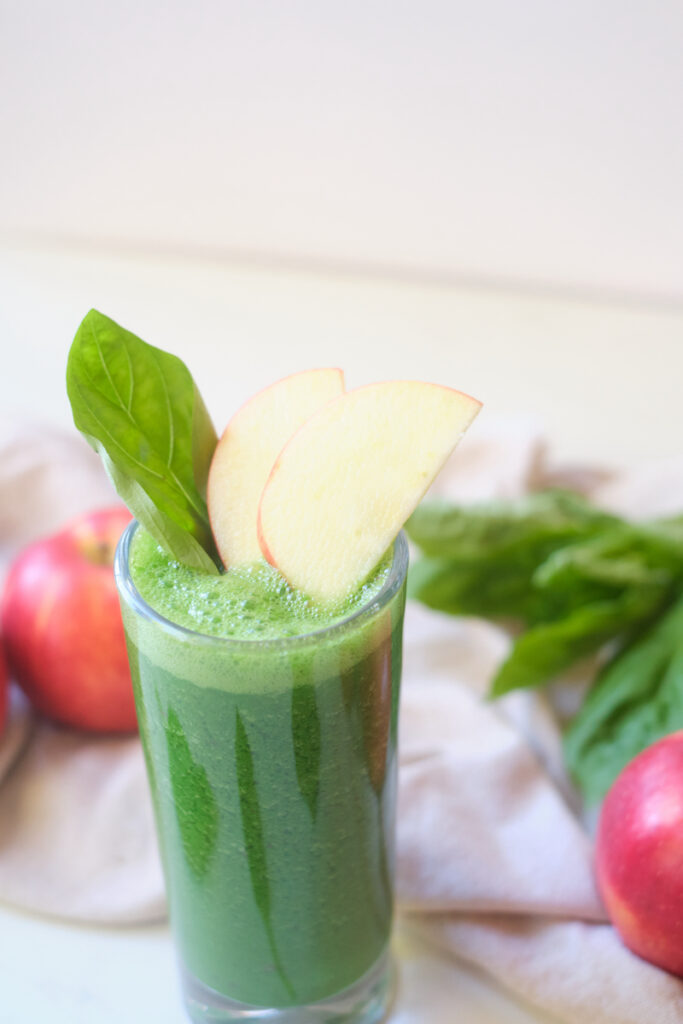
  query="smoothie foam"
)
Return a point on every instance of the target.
[{"x": 252, "y": 602}]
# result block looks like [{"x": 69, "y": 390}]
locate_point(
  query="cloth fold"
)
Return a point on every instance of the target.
[{"x": 494, "y": 863}]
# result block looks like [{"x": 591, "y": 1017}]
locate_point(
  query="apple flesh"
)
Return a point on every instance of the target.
[
  {"x": 62, "y": 626},
  {"x": 639, "y": 854},
  {"x": 346, "y": 482},
  {"x": 247, "y": 450}
]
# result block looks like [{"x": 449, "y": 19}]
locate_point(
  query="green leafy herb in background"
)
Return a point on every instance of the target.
[
  {"x": 480, "y": 560},
  {"x": 141, "y": 411},
  {"x": 636, "y": 699},
  {"x": 574, "y": 578}
]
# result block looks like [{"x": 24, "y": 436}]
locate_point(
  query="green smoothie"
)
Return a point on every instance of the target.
[{"x": 269, "y": 728}]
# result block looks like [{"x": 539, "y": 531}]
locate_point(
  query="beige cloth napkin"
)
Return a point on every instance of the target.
[{"x": 493, "y": 862}]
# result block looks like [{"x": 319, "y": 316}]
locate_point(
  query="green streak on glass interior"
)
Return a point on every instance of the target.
[{"x": 272, "y": 765}]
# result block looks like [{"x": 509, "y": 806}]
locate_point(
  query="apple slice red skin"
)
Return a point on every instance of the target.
[{"x": 266, "y": 550}]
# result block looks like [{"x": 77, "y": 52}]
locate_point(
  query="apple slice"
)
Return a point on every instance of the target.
[
  {"x": 245, "y": 454},
  {"x": 346, "y": 482}
]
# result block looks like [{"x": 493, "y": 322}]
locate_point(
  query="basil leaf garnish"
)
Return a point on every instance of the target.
[{"x": 141, "y": 411}]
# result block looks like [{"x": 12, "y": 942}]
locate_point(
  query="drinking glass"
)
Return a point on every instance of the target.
[{"x": 273, "y": 770}]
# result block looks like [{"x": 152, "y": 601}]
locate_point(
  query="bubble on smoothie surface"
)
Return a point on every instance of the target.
[{"x": 249, "y": 602}]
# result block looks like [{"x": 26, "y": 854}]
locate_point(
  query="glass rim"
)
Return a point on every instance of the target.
[{"x": 129, "y": 592}]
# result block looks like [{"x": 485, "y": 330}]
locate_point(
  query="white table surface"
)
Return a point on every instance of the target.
[
  {"x": 68, "y": 974},
  {"x": 605, "y": 379}
]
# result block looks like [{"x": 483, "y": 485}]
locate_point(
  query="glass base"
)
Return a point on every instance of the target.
[{"x": 365, "y": 1002}]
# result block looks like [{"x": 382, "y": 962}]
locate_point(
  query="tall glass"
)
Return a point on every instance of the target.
[{"x": 273, "y": 771}]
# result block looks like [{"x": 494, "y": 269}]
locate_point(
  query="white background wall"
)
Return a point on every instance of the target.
[
  {"x": 268, "y": 185},
  {"x": 537, "y": 140}
]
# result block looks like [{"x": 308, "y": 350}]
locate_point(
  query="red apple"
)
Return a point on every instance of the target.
[
  {"x": 639, "y": 854},
  {"x": 62, "y": 625}
]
